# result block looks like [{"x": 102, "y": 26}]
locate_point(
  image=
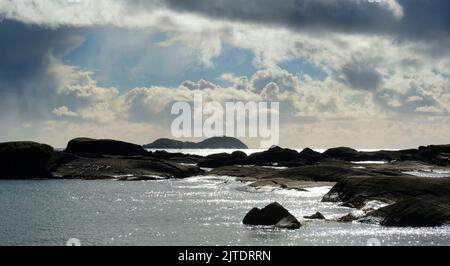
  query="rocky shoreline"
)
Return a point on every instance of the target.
[{"x": 410, "y": 200}]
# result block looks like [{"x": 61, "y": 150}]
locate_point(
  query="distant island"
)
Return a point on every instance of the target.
[{"x": 211, "y": 143}]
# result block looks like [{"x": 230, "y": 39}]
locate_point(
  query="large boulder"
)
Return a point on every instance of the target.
[
  {"x": 342, "y": 153},
  {"x": 223, "y": 159},
  {"x": 104, "y": 147},
  {"x": 272, "y": 215},
  {"x": 306, "y": 157},
  {"x": 310, "y": 155},
  {"x": 24, "y": 160},
  {"x": 272, "y": 156}
]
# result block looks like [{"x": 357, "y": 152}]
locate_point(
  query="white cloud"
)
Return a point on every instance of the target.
[{"x": 64, "y": 111}]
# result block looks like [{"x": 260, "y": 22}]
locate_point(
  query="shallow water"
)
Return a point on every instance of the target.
[{"x": 194, "y": 211}]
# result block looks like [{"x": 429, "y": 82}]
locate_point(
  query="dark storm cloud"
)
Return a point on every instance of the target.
[
  {"x": 25, "y": 51},
  {"x": 346, "y": 15},
  {"x": 421, "y": 18},
  {"x": 361, "y": 76}
]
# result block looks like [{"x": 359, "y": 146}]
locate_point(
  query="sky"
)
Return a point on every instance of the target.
[{"x": 359, "y": 73}]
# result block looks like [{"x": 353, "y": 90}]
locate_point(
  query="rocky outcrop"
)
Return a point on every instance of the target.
[
  {"x": 122, "y": 168},
  {"x": 417, "y": 211},
  {"x": 103, "y": 147},
  {"x": 211, "y": 143},
  {"x": 386, "y": 188},
  {"x": 176, "y": 157},
  {"x": 24, "y": 160},
  {"x": 414, "y": 201},
  {"x": 223, "y": 159},
  {"x": 272, "y": 156},
  {"x": 272, "y": 215},
  {"x": 434, "y": 154},
  {"x": 342, "y": 153},
  {"x": 349, "y": 154}
]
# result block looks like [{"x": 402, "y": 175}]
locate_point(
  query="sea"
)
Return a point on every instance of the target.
[{"x": 201, "y": 210}]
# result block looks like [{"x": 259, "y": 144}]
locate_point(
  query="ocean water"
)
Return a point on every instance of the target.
[
  {"x": 205, "y": 210},
  {"x": 195, "y": 211}
]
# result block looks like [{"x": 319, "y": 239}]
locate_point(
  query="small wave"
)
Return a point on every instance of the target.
[
  {"x": 429, "y": 173},
  {"x": 369, "y": 162}
]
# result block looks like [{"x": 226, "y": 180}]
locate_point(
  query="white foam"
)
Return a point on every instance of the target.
[
  {"x": 369, "y": 162},
  {"x": 429, "y": 173}
]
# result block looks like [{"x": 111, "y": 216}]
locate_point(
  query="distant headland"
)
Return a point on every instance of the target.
[{"x": 210, "y": 143}]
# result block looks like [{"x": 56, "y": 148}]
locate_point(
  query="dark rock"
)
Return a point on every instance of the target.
[
  {"x": 433, "y": 150},
  {"x": 273, "y": 214},
  {"x": 122, "y": 168},
  {"x": 418, "y": 211},
  {"x": 342, "y": 153},
  {"x": 288, "y": 222},
  {"x": 211, "y": 143},
  {"x": 434, "y": 154},
  {"x": 316, "y": 216},
  {"x": 104, "y": 147},
  {"x": 59, "y": 158},
  {"x": 24, "y": 160},
  {"x": 176, "y": 157},
  {"x": 294, "y": 163},
  {"x": 320, "y": 172},
  {"x": 386, "y": 188},
  {"x": 349, "y": 154},
  {"x": 272, "y": 156},
  {"x": 331, "y": 172},
  {"x": 414, "y": 201},
  {"x": 242, "y": 171},
  {"x": 310, "y": 156},
  {"x": 223, "y": 159},
  {"x": 347, "y": 218}
]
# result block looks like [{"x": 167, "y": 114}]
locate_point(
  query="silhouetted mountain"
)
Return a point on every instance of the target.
[{"x": 211, "y": 143}]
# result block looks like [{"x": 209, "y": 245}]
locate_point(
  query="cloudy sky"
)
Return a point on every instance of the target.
[{"x": 361, "y": 73}]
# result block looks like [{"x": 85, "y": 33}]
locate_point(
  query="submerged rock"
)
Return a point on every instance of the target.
[
  {"x": 273, "y": 214},
  {"x": 104, "y": 147},
  {"x": 347, "y": 218},
  {"x": 24, "y": 160},
  {"x": 316, "y": 216}
]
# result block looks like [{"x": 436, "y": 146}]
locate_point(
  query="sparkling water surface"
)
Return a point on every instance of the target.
[{"x": 194, "y": 211}]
